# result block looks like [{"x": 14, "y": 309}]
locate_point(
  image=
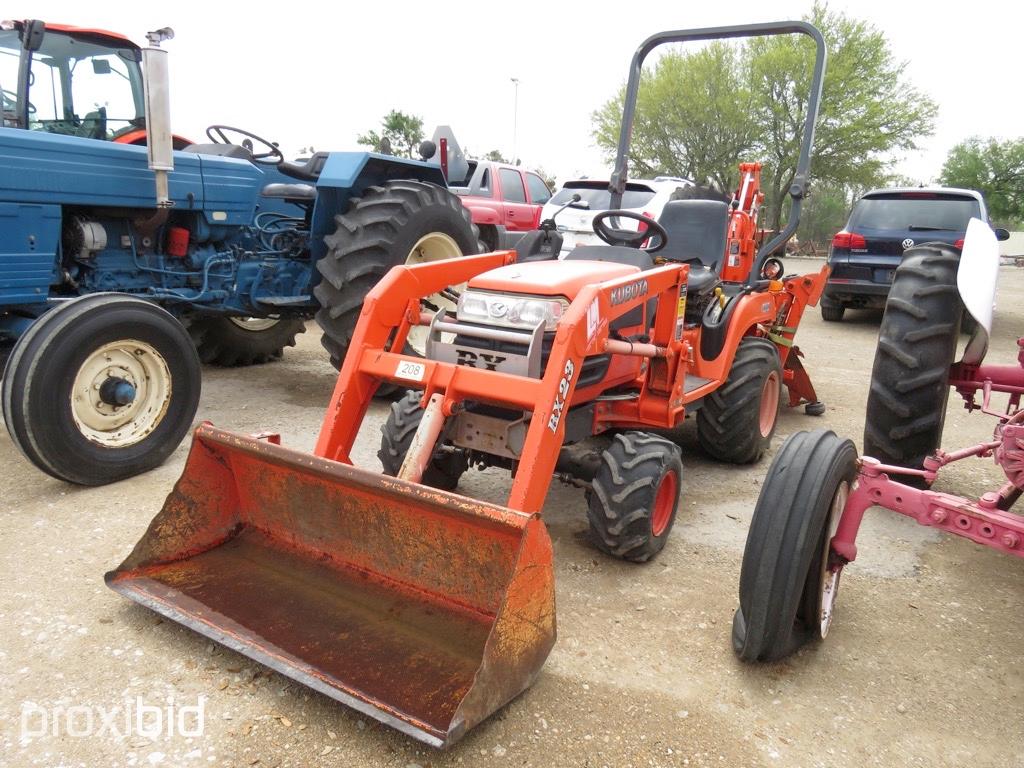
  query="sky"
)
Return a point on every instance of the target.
[{"x": 305, "y": 74}]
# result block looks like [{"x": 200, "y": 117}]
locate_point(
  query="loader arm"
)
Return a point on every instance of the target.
[{"x": 392, "y": 308}]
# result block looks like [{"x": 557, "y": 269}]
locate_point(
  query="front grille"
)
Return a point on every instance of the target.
[{"x": 594, "y": 367}]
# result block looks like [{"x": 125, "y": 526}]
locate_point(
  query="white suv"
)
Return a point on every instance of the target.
[{"x": 643, "y": 196}]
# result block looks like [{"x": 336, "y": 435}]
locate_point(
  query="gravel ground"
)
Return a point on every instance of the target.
[{"x": 923, "y": 667}]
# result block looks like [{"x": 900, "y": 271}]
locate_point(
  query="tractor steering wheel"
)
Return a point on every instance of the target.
[
  {"x": 628, "y": 237},
  {"x": 216, "y": 134},
  {"x": 10, "y": 102}
]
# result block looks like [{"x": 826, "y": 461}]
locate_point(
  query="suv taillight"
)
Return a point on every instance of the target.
[
  {"x": 846, "y": 239},
  {"x": 959, "y": 244}
]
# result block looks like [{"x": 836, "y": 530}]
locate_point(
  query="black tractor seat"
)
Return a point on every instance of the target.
[
  {"x": 302, "y": 193},
  {"x": 697, "y": 232}
]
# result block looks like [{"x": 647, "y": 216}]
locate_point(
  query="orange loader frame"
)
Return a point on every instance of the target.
[{"x": 392, "y": 308}]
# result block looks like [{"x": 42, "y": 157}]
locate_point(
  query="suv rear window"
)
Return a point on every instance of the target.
[
  {"x": 914, "y": 210},
  {"x": 597, "y": 196}
]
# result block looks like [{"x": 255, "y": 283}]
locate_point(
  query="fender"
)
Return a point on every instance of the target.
[{"x": 976, "y": 282}]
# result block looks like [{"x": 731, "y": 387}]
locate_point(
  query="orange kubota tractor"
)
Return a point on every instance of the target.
[{"x": 429, "y": 610}]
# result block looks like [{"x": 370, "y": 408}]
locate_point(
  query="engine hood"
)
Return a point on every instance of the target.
[{"x": 549, "y": 278}]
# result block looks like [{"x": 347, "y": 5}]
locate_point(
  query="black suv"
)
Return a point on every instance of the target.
[{"x": 882, "y": 225}]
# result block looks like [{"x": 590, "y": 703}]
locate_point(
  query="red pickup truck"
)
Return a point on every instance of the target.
[{"x": 505, "y": 200}]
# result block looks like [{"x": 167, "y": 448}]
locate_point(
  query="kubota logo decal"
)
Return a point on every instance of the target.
[
  {"x": 628, "y": 292},
  {"x": 479, "y": 359},
  {"x": 563, "y": 392}
]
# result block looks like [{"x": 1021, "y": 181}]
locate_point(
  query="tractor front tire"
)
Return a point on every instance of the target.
[
  {"x": 400, "y": 222},
  {"x": 737, "y": 420},
  {"x": 236, "y": 341},
  {"x": 397, "y": 433},
  {"x": 917, "y": 342},
  {"x": 632, "y": 501},
  {"x": 787, "y": 589},
  {"x": 101, "y": 388}
]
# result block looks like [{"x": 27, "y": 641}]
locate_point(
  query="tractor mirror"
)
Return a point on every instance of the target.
[
  {"x": 1001, "y": 234},
  {"x": 101, "y": 66}
]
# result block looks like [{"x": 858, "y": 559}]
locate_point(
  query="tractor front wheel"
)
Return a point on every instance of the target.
[
  {"x": 234, "y": 341},
  {"x": 400, "y": 222},
  {"x": 101, "y": 388},
  {"x": 787, "y": 583},
  {"x": 917, "y": 342},
  {"x": 737, "y": 420},
  {"x": 446, "y": 466},
  {"x": 632, "y": 502}
]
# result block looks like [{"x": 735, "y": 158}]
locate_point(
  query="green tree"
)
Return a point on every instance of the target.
[
  {"x": 868, "y": 109},
  {"x": 495, "y": 156},
  {"x": 693, "y": 118},
  {"x": 752, "y": 100},
  {"x": 994, "y": 168},
  {"x": 400, "y": 135},
  {"x": 825, "y": 213}
]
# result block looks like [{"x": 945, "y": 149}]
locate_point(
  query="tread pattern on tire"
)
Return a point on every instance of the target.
[
  {"x": 360, "y": 252},
  {"x": 917, "y": 342},
  {"x": 621, "y": 497},
  {"x": 784, "y": 540},
  {"x": 397, "y": 433},
  {"x": 832, "y": 313},
  {"x": 728, "y": 424},
  {"x": 216, "y": 344},
  {"x": 31, "y": 358}
]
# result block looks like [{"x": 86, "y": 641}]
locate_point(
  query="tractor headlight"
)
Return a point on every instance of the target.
[{"x": 511, "y": 311}]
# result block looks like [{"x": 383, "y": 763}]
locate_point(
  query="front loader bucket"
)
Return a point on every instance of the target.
[{"x": 423, "y": 609}]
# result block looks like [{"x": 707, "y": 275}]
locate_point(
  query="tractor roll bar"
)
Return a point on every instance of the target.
[{"x": 798, "y": 189}]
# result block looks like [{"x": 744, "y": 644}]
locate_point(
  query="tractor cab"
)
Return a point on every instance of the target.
[{"x": 71, "y": 81}]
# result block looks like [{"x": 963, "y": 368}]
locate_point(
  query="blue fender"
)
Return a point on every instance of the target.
[{"x": 348, "y": 174}]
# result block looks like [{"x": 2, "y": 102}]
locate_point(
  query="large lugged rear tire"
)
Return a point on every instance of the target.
[
  {"x": 397, "y": 433},
  {"x": 787, "y": 591},
  {"x": 917, "y": 341},
  {"x": 235, "y": 341},
  {"x": 737, "y": 420},
  {"x": 632, "y": 502},
  {"x": 101, "y": 388},
  {"x": 401, "y": 222}
]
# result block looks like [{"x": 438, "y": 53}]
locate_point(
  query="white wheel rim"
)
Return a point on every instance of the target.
[
  {"x": 135, "y": 363},
  {"x": 829, "y": 579},
  {"x": 433, "y": 246},
  {"x": 255, "y": 324}
]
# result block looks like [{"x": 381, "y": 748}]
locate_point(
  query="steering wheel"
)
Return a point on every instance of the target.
[
  {"x": 10, "y": 101},
  {"x": 216, "y": 134},
  {"x": 628, "y": 237}
]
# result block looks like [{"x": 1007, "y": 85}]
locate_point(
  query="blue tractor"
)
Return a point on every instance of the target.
[{"x": 129, "y": 255}]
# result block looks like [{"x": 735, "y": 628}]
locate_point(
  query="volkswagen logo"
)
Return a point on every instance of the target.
[
  {"x": 498, "y": 309},
  {"x": 908, "y": 243}
]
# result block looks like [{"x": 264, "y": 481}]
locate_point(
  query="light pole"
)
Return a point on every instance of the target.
[{"x": 515, "y": 121}]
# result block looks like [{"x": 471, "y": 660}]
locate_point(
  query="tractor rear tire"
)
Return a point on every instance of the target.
[
  {"x": 917, "y": 342},
  {"x": 632, "y": 501},
  {"x": 787, "y": 591},
  {"x": 399, "y": 222},
  {"x": 237, "y": 341},
  {"x": 737, "y": 420},
  {"x": 101, "y": 388},
  {"x": 397, "y": 433}
]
